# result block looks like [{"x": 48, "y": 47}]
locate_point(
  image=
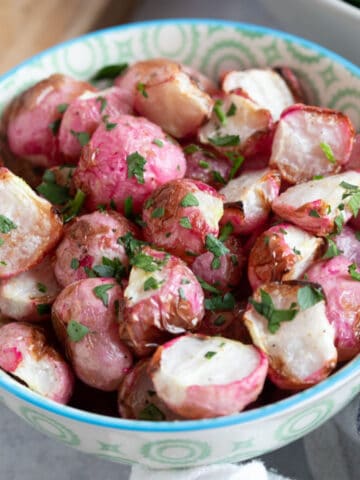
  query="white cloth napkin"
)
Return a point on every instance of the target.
[{"x": 254, "y": 470}]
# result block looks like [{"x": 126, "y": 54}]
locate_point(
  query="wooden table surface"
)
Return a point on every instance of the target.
[{"x": 29, "y": 26}]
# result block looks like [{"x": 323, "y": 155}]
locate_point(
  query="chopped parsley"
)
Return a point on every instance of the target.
[
  {"x": 232, "y": 110},
  {"x": 308, "y": 296},
  {"x": 203, "y": 164},
  {"x": 103, "y": 103},
  {"x": 185, "y": 281},
  {"x": 1, "y": 242},
  {"x": 108, "y": 125},
  {"x": 62, "y": 107},
  {"x": 3, "y": 263},
  {"x": 355, "y": 275},
  {"x": 147, "y": 262},
  {"x": 329, "y": 154},
  {"x": 226, "y": 231},
  {"x": 110, "y": 268},
  {"x": 128, "y": 206},
  {"x": 332, "y": 249},
  {"x": 219, "y": 112},
  {"x": 209, "y": 354},
  {"x": 74, "y": 264},
  {"x": 109, "y": 72},
  {"x": 225, "y": 141},
  {"x": 141, "y": 88},
  {"x": 131, "y": 244},
  {"x": 76, "y": 331},
  {"x": 218, "y": 302},
  {"x": 296, "y": 251},
  {"x": 73, "y": 206},
  {"x": 217, "y": 177},
  {"x": 236, "y": 160},
  {"x": 274, "y": 316},
  {"x": 43, "y": 308},
  {"x": 217, "y": 248},
  {"x": 6, "y": 225},
  {"x": 158, "y": 142},
  {"x": 339, "y": 223},
  {"x": 158, "y": 212},
  {"x": 82, "y": 137},
  {"x": 182, "y": 293},
  {"x": 100, "y": 292},
  {"x": 357, "y": 235},
  {"x": 136, "y": 164},
  {"x": 41, "y": 287},
  {"x": 192, "y": 148},
  {"x": 112, "y": 204},
  {"x": 314, "y": 213},
  {"x": 149, "y": 203},
  {"x": 185, "y": 223},
  {"x": 317, "y": 177},
  {"x": 219, "y": 320},
  {"x": 151, "y": 412},
  {"x": 353, "y": 193},
  {"x": 55, "y": 126},
  {"x": 152, "y": 284},
  {"x": 206, "y": 286},
  {"x": 189, "y": 201},
  {"x": 49, "y": 189}
]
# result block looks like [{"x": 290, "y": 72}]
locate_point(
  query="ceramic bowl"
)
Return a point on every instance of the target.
[
  {"x": 211, "y": 46},
  {"x": 333, "y": 23}
]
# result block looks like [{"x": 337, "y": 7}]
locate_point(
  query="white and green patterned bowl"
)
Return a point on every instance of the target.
[{"x": 211, "y": 46}]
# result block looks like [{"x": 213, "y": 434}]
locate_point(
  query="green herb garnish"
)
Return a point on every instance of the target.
[
  {"x": 274, "y": 316},
  {"x": 219, "y": 112},
  {"x": 209, "y": 354},
  {"x": 329, "y": 154},
  {"x": 100, "y": 292},
  {"x": 218, "y": 302},
  {"x": 110, "y": 72},
  {"x": 82, "y": 137},
  {"x": 185, "y": 223},
  {"x": 355, "y": 275},
  {"x": 152, "y": 284},
  {"x": 76, "y": 331},
  {"x": 151, "y": 412},
  {"x": 6, "y": 225},
  {"x": 308, "y": 296},
  {"x": 141, "y": 88},
  {"x": 225, "y": 141},
  {"x": 136, "y": 164},
  {"x": 158, "y": 212},
  {"x": 189, "y": 201}
]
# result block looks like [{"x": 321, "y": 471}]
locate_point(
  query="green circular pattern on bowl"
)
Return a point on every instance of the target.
[{"x": 212, "y": 46}]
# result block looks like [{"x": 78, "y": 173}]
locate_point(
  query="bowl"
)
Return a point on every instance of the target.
[
  {"x": 333, "y": 23},
  {"x": 211, "y": 46}
]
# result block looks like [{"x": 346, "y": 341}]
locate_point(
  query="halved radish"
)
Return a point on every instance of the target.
[
  {"x": 288, "y": 321},
  {"x": 311, "y": 141},
  {"x": 203, "y": 377},
  {"x": 283, "y": 252},
  {"x": 319, "y": 206},
  {"x": 248, "y": 199},
  {"x": 29, "y": 295},
  {"x": 264, "y": 86},
  {"x": 26, "y": 354},
  {"x": 29, "y": 226}
]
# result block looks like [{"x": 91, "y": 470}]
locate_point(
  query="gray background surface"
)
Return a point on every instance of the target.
[{"x": 26, "y": 454}]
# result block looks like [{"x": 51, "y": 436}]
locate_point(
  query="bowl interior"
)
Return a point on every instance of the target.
[{"x": 213, "y": 47}]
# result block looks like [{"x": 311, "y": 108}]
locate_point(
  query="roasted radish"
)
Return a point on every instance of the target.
[
  {"x": 248, "y": 199},
  {"x": 181, "y": 215},
  {"x": 32, "y": 120},
  {"x": 163, "y": 298},
  {"x": 202, "y": 377},
  {"x": 29, "y": 226},
  {"x": 311, "y": 141},
  {"x": 289, "y": 323},
  {"x": 124, "y": 165},
  {"x": 29, "y": 295},
  {"x": 161, "y": 89},
  {"x": 340, "y": 280},
  {"x": 283, "y": 252},
  {"x": 86, "y": 318},
  {"x": 26, "y": 354},
  {"x": 90, "y": 247},
  {"x": 320, "y": 206}
]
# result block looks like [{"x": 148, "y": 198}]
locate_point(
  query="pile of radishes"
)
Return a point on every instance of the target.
[{"x": 127, "y": 270}]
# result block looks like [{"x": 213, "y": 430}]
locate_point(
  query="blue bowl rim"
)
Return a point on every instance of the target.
[{"x": 334, "y": 381}]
